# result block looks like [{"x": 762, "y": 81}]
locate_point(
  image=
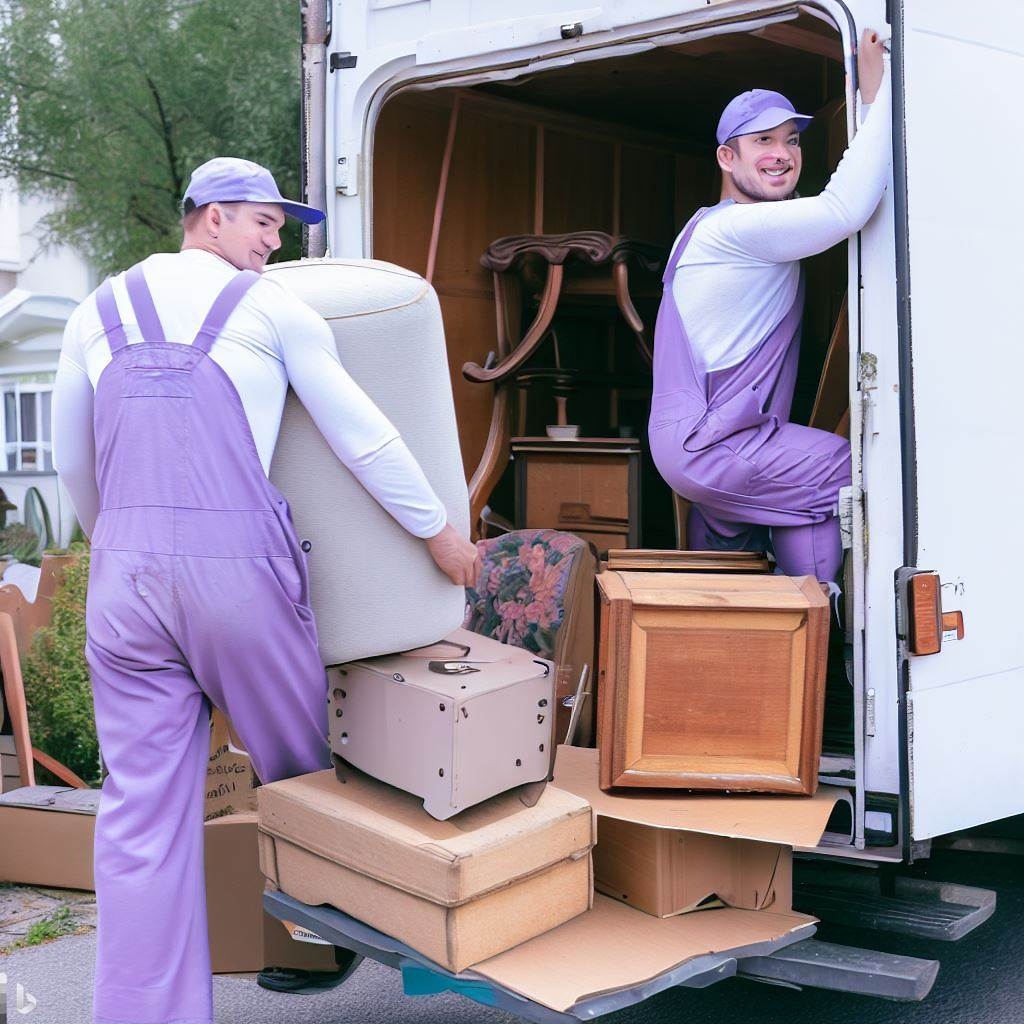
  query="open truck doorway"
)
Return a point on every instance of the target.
[{"x": 618, "y": 146}]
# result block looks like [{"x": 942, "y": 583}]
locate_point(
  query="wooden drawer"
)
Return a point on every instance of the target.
[
  {"x": 589, "y": 489},
  {"x": 711, "y": 682}
]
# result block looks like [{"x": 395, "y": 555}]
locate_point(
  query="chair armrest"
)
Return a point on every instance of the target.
[{"x": 62, "y": 771}]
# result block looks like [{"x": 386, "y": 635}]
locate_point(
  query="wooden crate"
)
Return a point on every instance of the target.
[
  {"x": 711, "y": 681},
  {"x": 649, "y": 559}
]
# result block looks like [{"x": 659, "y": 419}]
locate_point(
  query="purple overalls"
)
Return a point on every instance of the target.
[
  {"x": 722, "y": 440},
  {"x": 198, "y": 595}
]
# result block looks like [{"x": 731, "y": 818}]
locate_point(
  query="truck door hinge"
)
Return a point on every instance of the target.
[
  {"x": 346, "y": 174},
  {"x": 867, "y": 371},
  {"x": 343, "y": 60}
]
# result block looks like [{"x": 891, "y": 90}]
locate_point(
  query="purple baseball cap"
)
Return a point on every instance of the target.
[
  {"x": 757, "y": 110},
  {"x": 226, "y": 179}
]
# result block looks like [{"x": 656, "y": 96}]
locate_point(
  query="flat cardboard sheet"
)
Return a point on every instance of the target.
[
  {"x": 789, "y": 820},
  {"x": 613, "y": 947},
  {"x": 54, "y": 798}
]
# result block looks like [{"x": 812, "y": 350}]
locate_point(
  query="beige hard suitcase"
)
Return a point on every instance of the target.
[{"x": 454, "y": 723}]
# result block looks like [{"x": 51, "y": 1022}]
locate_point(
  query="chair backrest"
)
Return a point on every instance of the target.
[
  {"x": 374, "y": 588},
  {"x": 536, "y": 591},
  {"x": 19, "y": 621},
  {"x": 14, "y": 700}
]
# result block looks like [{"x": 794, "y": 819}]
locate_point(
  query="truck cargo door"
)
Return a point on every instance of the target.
[{"x": 961, "y": 281}]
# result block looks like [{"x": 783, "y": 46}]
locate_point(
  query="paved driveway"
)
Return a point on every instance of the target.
[{"x": 982, "y": 980}]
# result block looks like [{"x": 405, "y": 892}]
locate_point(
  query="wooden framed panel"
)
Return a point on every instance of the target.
[{"x": 711, "y": 682}]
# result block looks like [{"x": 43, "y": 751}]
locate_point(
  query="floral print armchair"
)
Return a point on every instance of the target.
[{"x": 536, "y": 591}]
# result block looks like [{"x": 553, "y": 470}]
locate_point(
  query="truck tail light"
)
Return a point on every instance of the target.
[{"x": 924, "y": 608}]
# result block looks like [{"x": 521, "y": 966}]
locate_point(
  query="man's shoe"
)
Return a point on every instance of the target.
[{"x": 300, "y": 982}]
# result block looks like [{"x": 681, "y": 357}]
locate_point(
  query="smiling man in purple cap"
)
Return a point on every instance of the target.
[
  {"x": 167, "y": 405},
  {"x": 728, "y": 332}
]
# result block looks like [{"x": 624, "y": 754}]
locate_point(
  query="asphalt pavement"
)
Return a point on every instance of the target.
[{"x": 981, "y": 981}]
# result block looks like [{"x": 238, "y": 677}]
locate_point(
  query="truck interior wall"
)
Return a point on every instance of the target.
[{"x": 621, "y": 146}]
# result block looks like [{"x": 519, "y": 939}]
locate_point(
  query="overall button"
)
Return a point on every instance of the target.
[{"x": 306, "y": 546}]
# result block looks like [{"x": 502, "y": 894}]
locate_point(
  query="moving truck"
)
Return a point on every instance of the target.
[{"x": 434, "y": 127}]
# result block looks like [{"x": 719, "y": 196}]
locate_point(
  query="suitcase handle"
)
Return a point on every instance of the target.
[{"x": 417, "y": 652}]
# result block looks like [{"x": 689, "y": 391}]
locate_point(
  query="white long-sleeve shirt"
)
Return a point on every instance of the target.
[
  {"x": 271, "y": 339},
  {"x": 739, "y": 274}
]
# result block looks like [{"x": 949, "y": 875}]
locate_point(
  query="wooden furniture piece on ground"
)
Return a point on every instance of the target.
[
  {"x": 582, "y": 268},
  {"x": 711, "y": 681},
  {"x": 19, "y": 621},
  {"x": 587, "y": 486}
]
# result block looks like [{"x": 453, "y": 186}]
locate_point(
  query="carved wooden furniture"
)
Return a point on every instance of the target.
[
  {"x": 557, "y": 272},
  {"x": 587, "y": 486},
  {"x": 711, "y": 682}
]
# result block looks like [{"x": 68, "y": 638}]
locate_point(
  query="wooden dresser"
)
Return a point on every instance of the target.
[{"x": 587, "y": 486}]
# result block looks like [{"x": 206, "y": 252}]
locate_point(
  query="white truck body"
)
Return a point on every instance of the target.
[{"x": 935, "y": 361}]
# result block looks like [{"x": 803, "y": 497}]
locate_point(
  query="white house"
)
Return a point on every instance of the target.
[{"x": 38, "y": 290}]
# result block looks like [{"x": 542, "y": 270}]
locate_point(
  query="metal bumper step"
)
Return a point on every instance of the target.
[
  {"x": 906, "y": 906},
  {"x": 844, "y": 969}
]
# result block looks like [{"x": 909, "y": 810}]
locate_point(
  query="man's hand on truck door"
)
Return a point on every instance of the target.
[
  {"x": 455, "y": 556},
  {"x": 870, "y": 65}
]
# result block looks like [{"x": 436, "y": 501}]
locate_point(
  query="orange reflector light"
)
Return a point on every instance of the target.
[{"x": 924, "y": 604}]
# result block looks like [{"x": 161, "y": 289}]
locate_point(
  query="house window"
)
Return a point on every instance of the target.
[{"x": 26, "y": 422}]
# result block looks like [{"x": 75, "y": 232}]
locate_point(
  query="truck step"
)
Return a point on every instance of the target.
[
  {"x": 907, "y": 906},
  {"x": 826, "y": 965}
]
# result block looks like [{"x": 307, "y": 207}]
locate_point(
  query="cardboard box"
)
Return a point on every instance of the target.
[
  {"x": 243, "y": 936},
  {"x": 47, "y": 836},
  {"x": 229, "y": 774},
  {"x": 668, "y": 853},
  {"x": 54, "y": 847},
  {"x": 457, "y": 891},
  {"x": 665, "y": 872}
]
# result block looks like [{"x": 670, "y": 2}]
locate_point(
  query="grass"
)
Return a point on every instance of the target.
[{"x": 60, "y": 922}]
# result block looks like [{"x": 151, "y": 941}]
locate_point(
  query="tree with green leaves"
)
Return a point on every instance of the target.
[{"x": 108, "y": 105}]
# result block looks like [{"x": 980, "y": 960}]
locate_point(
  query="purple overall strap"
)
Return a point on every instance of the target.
[
  {"x": 222, "y": 308},
  {"x": 142, "y": 302},
  {"x": 684, "y": 240},
  {"x": 677, "y": 249},
  {"x": 106, "y": 304}
]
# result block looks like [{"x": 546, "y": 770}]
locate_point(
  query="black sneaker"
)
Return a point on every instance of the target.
[{"x": 301, "y": 982}]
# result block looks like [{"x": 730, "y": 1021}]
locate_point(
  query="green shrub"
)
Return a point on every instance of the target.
[
  {"x": 57, "y": 687},
  {"x": 21, "y": 543}
]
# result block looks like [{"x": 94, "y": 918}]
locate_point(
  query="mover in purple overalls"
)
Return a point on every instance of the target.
[
  {"x": 198, "y": 595},
  {"x": 723, "y": 380}
]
